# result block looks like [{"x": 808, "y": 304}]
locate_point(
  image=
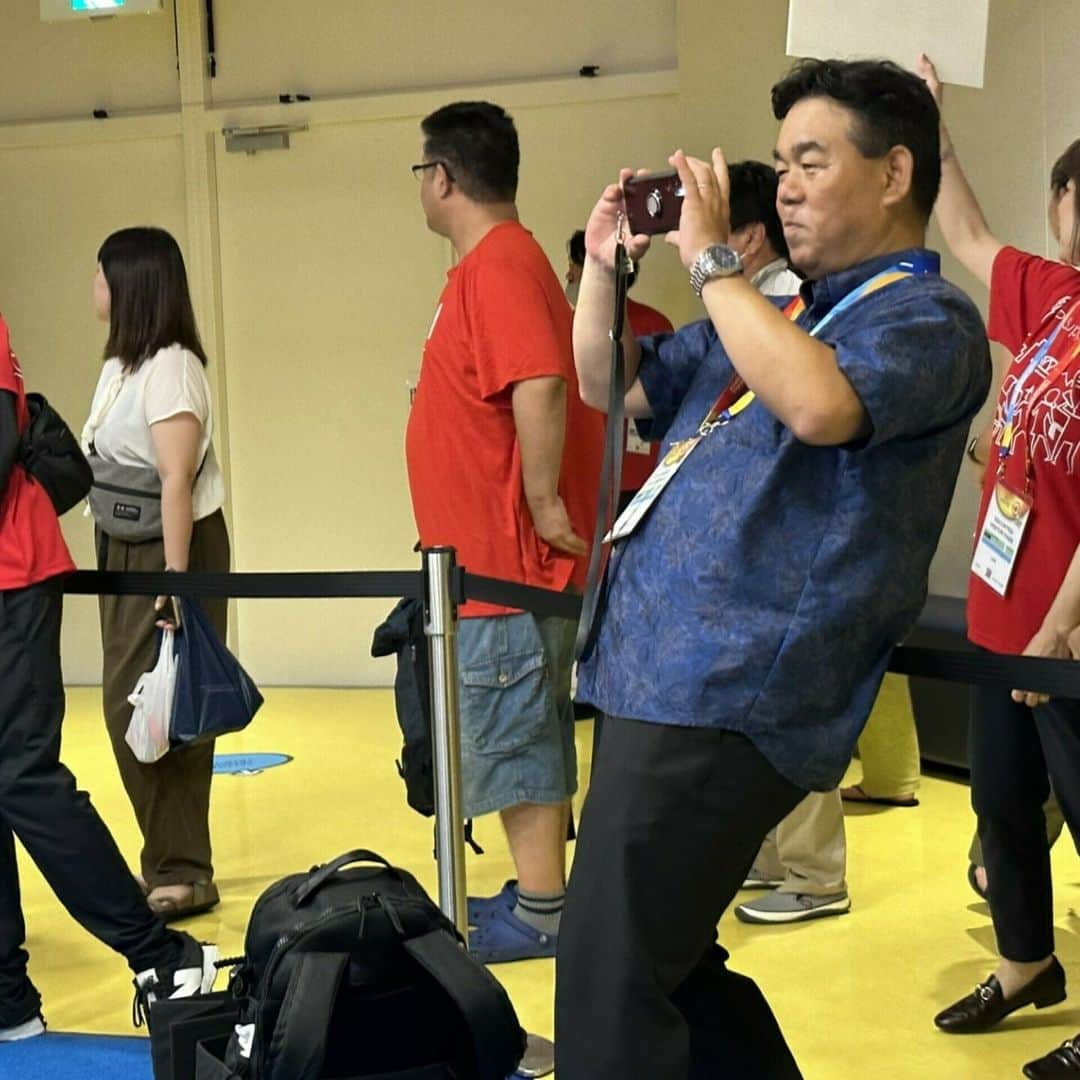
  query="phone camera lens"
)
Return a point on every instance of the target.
[{"x": 654, "y": 203}]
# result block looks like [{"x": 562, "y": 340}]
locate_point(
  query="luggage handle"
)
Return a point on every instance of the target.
[{"x": 318, "y": 878}]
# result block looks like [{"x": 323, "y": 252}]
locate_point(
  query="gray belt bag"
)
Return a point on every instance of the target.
[{"x": 125, "y": 500}]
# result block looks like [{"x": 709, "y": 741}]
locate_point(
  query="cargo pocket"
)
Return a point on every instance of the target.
[{"x": 504, "y": 703}]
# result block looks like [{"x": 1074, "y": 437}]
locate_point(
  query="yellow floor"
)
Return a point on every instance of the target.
[{"x": 854, "y": 994}]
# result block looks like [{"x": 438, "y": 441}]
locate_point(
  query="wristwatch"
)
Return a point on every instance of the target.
[{"x": 717, "y": 260}]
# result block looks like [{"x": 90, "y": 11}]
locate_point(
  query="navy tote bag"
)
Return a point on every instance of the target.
[{"x": 214, "y": 694}]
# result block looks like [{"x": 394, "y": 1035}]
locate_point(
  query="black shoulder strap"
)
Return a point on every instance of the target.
[
  {"x": 298, "y": 1046},
  {"x": 497, "y": 1038},
  {"x": 595, "y": 598}
]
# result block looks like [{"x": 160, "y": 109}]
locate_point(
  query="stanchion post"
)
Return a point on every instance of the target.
[{"x": 440, "y": 625}]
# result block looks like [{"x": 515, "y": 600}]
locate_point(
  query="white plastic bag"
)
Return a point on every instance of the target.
[{"x": 148, "y": 732}]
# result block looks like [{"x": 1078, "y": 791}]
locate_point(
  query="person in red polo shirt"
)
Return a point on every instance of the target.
[
  {"x": 504, "y": 462},
  {"x": 39, "y": 803}
]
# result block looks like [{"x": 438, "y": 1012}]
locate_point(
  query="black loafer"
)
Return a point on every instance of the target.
[
  {"x": 1063, "y": 1062},
  {"x": 986, "y": 1005}
]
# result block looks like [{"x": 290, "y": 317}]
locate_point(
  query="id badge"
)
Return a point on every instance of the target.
[
  {"x": 650, "y": 491},
  {"x": 999, "y": 541}
]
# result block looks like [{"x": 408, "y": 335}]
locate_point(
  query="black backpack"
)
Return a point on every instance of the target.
[
  {"x": 355, "y": 973},
  {"x": 51, "y": 454}
]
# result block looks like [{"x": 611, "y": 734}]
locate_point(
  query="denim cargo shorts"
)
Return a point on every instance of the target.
[{"x": 517, "y": 719}]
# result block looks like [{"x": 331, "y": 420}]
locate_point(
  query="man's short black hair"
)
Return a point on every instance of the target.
[
  {"x": 479, "y": 144},
  {"x": 892, "y": 107},
  {"x": 575, "y": 247},
  {"x": 753, "y": 199}
]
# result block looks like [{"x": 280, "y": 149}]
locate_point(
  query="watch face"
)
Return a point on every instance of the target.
[{"x": 724, "y": 258}]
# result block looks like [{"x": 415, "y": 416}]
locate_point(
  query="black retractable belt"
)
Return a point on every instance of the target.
[
  {"x": 314, "y": 585},
  {"x": 593, "y": 603},
  {"x": 942, "y": 615}
]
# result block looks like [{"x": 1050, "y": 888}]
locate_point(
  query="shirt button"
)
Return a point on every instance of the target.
[{"x": 502, "y": 678}]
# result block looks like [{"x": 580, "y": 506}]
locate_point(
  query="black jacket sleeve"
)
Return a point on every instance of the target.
[{"x": 9, "y": 437}]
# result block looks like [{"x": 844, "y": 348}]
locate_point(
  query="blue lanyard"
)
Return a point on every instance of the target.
[
  {"x": 920, "y": 264},
  {"x": 1014, "y": 398}
]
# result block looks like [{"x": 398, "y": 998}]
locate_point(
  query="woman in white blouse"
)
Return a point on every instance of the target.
[{"x": 152, "y": 409}]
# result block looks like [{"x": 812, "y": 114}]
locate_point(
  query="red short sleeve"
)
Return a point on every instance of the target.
[
  {"x": 1023, "y": 289},
  {"x": 515, "y": 333}
]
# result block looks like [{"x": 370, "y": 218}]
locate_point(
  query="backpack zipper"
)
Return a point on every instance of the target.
[{"x": 288, "y": 939}]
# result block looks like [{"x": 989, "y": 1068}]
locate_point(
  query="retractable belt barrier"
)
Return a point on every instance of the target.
[{"x": 920, "y": 655}]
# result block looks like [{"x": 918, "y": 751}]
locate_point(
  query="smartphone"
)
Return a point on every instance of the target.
[{"x": 653, "y": 203}]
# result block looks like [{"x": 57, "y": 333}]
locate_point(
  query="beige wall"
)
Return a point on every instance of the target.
[{"x": 315, "y": 262}]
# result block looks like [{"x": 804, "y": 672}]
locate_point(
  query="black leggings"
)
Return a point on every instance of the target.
[{"x": 1016, "y": 752}]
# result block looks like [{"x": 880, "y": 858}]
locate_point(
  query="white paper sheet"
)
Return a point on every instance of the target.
[{"x": 951, "y": 32}]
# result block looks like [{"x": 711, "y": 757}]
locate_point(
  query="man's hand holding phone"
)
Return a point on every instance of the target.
[
  {"x": 706, "y": 213},
  {"x": 601, "y": 230}
]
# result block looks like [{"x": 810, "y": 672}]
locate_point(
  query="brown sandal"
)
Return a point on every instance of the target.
[
  {"x": 856, "y": 794},
  {"x": 204, "y": 896}
]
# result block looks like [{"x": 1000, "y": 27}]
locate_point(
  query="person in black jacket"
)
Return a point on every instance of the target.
[{"x": 39, "y": 802}]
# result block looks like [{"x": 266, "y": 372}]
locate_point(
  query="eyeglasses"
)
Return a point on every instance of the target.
[{"x": 418, "y": 170}]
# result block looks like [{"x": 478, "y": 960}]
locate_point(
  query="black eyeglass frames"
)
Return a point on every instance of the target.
[{"x": 418, "y": 169}]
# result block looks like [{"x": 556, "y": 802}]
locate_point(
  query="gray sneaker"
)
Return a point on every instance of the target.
[
  {"x": 757, "y": 880},
  {"x": 782, "y": 907}
]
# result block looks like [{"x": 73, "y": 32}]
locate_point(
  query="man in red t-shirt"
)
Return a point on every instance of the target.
[
  {"x": 639, "y": 455},
  {"x": 503, "y": 461},
  {"x": 39, "y": 804}
]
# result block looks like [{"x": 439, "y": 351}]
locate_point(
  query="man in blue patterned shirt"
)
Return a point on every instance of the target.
[{"x": 751, "y": 610}]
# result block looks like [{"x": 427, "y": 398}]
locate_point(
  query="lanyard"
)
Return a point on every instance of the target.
[
  {"x": 735, "y": 396},
  {"x": 1008, "y": 433}
]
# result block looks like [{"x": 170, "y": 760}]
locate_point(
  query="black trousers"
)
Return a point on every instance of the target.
[
  {"x": 671, "y": 825},
  {"x": 55, "y": 822},
  {"x": 1016, "y": 753}
]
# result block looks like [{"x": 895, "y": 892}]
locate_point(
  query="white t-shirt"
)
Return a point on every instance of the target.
[{"x": 125, "y": 406}]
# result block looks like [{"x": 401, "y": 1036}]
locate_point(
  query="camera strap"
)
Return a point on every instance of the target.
[{"x": 611, "y": 470}]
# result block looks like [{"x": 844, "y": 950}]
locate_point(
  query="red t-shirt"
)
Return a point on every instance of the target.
[
  {"x": 32, "y": 548},
  {"x": 1029, "y": 298},
  {"x": 502, "y": 318},
  {"x": 637, "y": 466}
]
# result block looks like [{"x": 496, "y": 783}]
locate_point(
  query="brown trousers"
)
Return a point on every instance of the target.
[{"x": 171, "y": 797}]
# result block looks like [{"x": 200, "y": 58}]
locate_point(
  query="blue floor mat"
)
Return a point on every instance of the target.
[{"x": 55, "y": 1056}]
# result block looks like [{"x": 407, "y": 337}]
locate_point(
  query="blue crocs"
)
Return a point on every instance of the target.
[
  {"x": 502, "y": 937},
  {"x": 480, "y": 907}
]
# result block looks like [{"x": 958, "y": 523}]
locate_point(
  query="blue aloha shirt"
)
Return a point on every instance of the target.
[{"x": 766, "y": 587}]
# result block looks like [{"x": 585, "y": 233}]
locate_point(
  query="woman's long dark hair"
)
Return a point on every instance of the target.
[
  {"x": 150, "y": 304},
  {"x": 1066, "y": 168}
]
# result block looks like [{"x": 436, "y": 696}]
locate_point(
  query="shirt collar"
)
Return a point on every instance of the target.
[
  {"x": 832, "y": 288},
  {"x": 777, "y": 266}
]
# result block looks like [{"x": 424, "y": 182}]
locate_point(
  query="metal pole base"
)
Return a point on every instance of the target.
[{"x": 539, "y": 1059}]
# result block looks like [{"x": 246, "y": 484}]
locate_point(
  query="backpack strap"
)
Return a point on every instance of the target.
[
  {"x": 298, "y": 1047},
  {"x": 497, "y": 1037}
]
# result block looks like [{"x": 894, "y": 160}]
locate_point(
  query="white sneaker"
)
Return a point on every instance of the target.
[
  {"x": 194, "y": 974},
  {"x": 26, "y": 1030}
]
